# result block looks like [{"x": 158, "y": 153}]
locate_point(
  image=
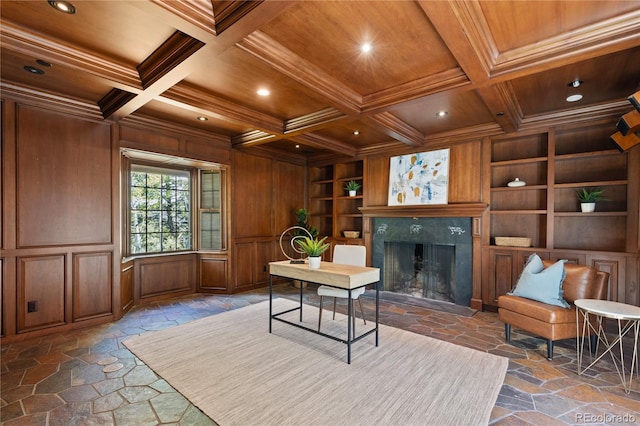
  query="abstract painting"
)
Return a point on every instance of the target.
[{"x": 421, "y": 178}]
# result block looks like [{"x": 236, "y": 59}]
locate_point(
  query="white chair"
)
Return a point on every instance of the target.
[{"x": 345, "y": 255}]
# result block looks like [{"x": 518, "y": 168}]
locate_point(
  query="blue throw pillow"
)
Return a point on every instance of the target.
[{"x": 543, "y": 285}]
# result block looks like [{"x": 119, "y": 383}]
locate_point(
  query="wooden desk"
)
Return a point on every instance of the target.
[{"x": 346, "y": 277}]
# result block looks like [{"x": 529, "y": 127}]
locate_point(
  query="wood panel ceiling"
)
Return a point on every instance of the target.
[{"x": 493, "y": 66}]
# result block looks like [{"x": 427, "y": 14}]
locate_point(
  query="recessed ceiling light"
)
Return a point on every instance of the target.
[
  {"x": 574, "y": 98},
  {"x": 366, "y": 47},
  {"x": 356, "y": 132},
  {"x": 500, "y": 114},
  {"x": 263, "y": 92},
  {"x": 63, "y": 6},
  {"x": 33, "y": 70},
  {"x": 298, "y": 146},
  {"x": 43, "y": 63},
  {"x": 442, "y": 113},
  {"x": 575, "y": 83},
  {"x": 201, "y": 118}
]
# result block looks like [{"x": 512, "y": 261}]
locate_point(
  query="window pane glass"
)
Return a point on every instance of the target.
[
  {"x": 153, "y": 243},
  {"x": 138, "y": 221},
  {"x": 160, "y": 209},
  {"x": 153, "y": 221},
  {"x": 138, "y": 243},
  {"x": 210, "y": 231},
  {"x": 153, "y": 180}
]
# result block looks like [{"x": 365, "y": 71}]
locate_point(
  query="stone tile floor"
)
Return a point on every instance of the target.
[{"x": 88, "y": 377}]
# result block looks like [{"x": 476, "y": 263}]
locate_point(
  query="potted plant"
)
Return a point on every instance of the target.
[
  {"x": 352, "y": 186},
  {"x": 588, "y": 198},
  {"x": 314, "y": 248},
  {"x": 302, "y": 216}
]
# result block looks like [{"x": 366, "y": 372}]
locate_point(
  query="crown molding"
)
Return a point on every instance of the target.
[
  {"x": 31, "y": 43},
  {"x": 282, "y": 59}
]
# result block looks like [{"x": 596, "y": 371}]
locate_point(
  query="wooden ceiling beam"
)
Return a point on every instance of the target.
[
  {"x": 443, "y": 81},
  {"x": 503, "y": 103},
  {"x": 190, "y": 98},
  {"x": 30, "y": 43},
  {"x": 323, "y": 142},
  {"x": 396, "y": 128},
  {"x": 288, "y": 63},
  {"x": 177, "y": 59},
  {"x": 599, "y": 39},
  {"x": 470, "y": 41}
]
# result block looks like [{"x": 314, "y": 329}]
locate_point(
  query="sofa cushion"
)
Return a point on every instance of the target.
[{"x": 541, "y": 284}]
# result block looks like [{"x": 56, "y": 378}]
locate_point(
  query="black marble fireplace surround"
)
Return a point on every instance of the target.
[{"x": 428, "y": 232}]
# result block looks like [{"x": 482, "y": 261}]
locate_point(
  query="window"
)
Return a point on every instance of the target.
[
  {"x": 160, "y": 219},
  {"x": 172, "y": 209},
  {"x": 211, "y": 210}
]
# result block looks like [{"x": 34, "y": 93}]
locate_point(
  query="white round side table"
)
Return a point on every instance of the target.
[{"x": 628, "y": 319}]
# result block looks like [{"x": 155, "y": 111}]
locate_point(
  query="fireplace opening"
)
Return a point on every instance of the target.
[
  {"x": 425, "y": 257},
  {"x": 420, "y": 270}
]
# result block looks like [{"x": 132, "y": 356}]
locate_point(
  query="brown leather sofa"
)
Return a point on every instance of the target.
[{"x": 549, "y": 321}]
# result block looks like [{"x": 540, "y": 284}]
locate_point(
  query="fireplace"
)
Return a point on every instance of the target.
[
  {"x": 420, "y": 270},
  {"x": 425, "y": 257}
]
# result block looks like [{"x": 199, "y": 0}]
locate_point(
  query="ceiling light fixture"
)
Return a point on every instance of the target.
[
  {"x": 43, "y": 63},
  {"x": 298, "y": 146},
  {"x": 574, "y": 98},
  {"x": 356, "y": 132},
  {"x": 442, "y": 113},
  {"x": 263, "y": 92},
  {"x": 575, "y": 83},
  {"x": 63, "y": 6},
  {"x": 366, "y": 47},
  {"x": 201, "y": 118},
  {"x": 33, "y": 70}
]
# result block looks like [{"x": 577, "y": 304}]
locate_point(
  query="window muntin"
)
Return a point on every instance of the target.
[{"x": 160, "y": 210}]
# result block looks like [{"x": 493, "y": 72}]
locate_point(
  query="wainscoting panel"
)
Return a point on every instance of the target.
[
  {"x": 214, "y": 273},
  {"x": 164, "y": 275},
  {"x": 92, "y": 285},
  {"x": 41, "y": 291}
]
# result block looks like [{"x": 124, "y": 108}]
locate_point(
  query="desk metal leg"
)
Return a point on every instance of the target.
[
  {"x": 301, "y": 288},
  {"x": 377, "y": 310},
  {"x": 270, "y": 300},
  {"x": 349, "y": 313}
]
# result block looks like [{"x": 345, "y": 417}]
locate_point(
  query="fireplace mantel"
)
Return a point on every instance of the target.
[{"x": 441, "y": 210}]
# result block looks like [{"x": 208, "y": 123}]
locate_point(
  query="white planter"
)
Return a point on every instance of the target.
[
  {"x": 352, "y": 193},
  {"x": 314, "y": 262},
  {"x": 587, "y": 207}
]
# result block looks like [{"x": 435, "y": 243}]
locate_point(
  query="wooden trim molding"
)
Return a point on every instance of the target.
[{"x": 444, "y": 210}]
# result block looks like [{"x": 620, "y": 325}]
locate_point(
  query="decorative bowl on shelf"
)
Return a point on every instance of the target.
[
  {"x": 516, "y": 183},
  {"x": 351, "y": 234}
]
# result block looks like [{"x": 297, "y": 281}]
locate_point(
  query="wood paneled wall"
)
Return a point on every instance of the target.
[{"x": 58, "y": 222}]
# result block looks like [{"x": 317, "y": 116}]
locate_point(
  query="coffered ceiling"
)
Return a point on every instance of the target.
[{"x": 492, "y": 66}]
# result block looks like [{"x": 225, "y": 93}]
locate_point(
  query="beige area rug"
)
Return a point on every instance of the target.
[{"x": 230, "y": 367}]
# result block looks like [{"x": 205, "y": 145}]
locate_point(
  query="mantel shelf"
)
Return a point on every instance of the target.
[{"x": 443, "y": 210}]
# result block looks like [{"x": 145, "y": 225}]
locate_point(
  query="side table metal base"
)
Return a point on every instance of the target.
[{"x": 628, "y": 323}]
